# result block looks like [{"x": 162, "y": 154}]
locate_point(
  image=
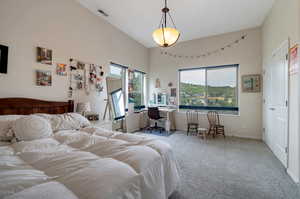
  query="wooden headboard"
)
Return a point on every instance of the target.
[{"x": 26, "y": 106}]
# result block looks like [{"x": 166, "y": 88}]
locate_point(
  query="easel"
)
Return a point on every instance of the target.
[{"x": 107, "y": 109}]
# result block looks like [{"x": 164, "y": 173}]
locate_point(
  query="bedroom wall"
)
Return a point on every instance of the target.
[
  {"x": 70, "y": 30},
  {"x": 247, "y": 54},
  {"x": 282, "y": 23}
]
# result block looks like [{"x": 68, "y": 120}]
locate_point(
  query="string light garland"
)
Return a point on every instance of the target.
[{"x": 206, "y": 54}]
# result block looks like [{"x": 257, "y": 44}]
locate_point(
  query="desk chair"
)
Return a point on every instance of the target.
[{"x": 153, "y": 114}]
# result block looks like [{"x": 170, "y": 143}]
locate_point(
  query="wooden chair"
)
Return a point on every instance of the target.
[
  {"x": 192, "y": 122},
  {"x": 214, "y": 124}
]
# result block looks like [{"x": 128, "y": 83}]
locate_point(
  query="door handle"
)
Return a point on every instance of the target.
[{"x": 272, "y": 109}]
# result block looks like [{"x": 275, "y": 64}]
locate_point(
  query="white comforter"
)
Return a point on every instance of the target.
[{"x": 92, "y": 163}]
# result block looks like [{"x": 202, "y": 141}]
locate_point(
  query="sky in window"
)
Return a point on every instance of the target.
[
  {"x": 222, "y": 77},
  {"x": 193, "y": 77},
  {"x": 114, "y": 70},
  {"x": 216, "y": 77}
]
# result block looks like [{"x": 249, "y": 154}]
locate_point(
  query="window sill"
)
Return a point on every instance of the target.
[{"x": 204, "y": 112}]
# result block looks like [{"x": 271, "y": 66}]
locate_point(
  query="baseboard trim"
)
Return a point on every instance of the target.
[
  {"x": 258, "y": 137},
  {"x": 293, "y": 176},
  {"x": 246, "y": 137}
]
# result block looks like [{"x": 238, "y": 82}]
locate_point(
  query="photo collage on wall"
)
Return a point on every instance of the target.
[
  {"x": 82, "y": 75},
  {"x": 85, "y": 76}
]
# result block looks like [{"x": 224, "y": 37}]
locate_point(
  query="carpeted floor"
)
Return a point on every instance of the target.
[{"x": 228, "y": 169}]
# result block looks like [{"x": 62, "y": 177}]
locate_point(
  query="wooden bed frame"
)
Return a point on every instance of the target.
[{"x": 26, "y": 106}]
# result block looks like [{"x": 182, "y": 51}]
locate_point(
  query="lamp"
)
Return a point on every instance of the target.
[
  {"x": 83, "y": 107},
  {"x": 166, "y": 36}
]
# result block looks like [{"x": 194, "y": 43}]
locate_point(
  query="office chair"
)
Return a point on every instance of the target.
[{"x": 153, "y": 114}]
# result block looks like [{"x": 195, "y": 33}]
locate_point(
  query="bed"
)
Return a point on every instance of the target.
[{"x": 84, "y": 162}]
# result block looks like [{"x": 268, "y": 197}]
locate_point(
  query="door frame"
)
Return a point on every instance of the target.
[{"x": 267, "y": 63}]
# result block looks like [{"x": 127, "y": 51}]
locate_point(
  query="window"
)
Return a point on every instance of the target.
[
  {"x": 133, "y": 84},
  {"x": 212, "y": 88},
  {"x": 117, "y": 70},
  {"x": 136, "y": 87}
]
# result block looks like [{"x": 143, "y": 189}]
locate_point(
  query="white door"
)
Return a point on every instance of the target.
[{"x": 276, "y": 103}]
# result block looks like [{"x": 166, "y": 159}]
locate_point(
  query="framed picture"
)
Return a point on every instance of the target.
[
  {"x": 80, "y": 65},
  {"x": 173, "y": 92},
  {"x": 44, "y": 56},
  {"x": 251, "y": 83},
  {"x": 43, "y": 78},
  {"x": 157, "y": 83},
  {"x": 294, "y": 60},
  {"x": 3, "y": 58},
  {"x": 61, "y": 69}
]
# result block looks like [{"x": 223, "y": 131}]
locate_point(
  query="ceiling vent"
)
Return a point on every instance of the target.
[{"x": 103, "y": 13}]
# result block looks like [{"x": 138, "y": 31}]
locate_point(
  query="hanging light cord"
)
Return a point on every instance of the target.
[{"x": 172, "y": 20}]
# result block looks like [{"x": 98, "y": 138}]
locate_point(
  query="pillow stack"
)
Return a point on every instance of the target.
[
  {"x": 6, "y": 125},
  {"x": 31, "y": 128},
  {"x": 38, "y": 126},
  {"x": 67, "y": 121}
]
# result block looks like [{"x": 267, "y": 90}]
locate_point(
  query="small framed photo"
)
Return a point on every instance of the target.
[
  {"x": 43, "y": 78},
  {"x": 173, "y": 92},
  {"x": 44, "y": 56},
  {"x": 80, "y": 65},
  {"x": 61, "y": 69},
  {"x": 251, "y": 83}
]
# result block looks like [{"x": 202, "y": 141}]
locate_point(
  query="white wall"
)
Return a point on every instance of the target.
[
  {"x": 283, "y": 23},
  {"x": 247, "y": 54},
  {"x": 70, "y": 31}
]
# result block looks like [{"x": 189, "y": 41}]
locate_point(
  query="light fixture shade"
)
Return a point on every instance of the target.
[{"x": 166, "y": 37}]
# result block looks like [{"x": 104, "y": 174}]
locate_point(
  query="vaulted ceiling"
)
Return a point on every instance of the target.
[{"x": 193, "y": 18}]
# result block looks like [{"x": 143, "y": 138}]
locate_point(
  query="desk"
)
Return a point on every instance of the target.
[
  {"x": 167, "y": 113},
  {"x": 139, "y": 120}
]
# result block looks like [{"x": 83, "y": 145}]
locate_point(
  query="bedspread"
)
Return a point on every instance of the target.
[{"x": 90, "y": 163}]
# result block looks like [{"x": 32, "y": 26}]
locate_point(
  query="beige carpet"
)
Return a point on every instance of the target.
[{"x": 228, "y": 169}]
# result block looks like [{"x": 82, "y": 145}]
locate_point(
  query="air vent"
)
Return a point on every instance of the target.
[{"x": 103, "y": 13}]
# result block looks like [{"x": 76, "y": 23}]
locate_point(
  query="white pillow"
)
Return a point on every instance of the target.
[
  {"x": 51, "y": 118},
  {"x": 83, "y": 121},
  {"x": 31, "y": 127},
  {"x": 67, "y": 121},
  {"x": 6, "y": 124}
]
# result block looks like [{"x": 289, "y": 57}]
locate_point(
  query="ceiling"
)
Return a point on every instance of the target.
[{"x": 193, "y": 18}]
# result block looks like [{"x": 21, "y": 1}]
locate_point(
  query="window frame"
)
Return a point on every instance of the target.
[
  {"x": 123, "y": 69},
  {"x": 206, "y": 68},
  {"x": 143, "y": 90},
  {"x": 125, "y": 82}
]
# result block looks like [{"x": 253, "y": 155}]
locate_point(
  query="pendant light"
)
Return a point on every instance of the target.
[{"x": 166, "y": 36}]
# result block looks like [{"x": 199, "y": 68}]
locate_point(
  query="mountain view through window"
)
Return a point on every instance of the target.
[{"x": 209, "y": 87}]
